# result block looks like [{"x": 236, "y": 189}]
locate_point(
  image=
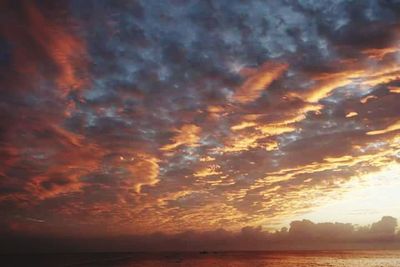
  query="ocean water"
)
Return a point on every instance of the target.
[{"x": 214, "y": 259}]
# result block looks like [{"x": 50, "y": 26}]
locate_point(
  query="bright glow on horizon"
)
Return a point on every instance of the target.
[{"x": 367, "y": 198}]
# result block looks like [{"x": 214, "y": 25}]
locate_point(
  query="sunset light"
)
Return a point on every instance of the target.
[{"x": 200, "y": 126}]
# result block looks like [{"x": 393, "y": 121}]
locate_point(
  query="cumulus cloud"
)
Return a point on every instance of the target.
[{"x": 386, "y": 226}]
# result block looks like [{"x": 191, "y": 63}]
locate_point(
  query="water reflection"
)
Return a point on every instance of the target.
[{"x": 214, "y": 259}]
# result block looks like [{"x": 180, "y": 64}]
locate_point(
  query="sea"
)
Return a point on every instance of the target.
[{"x": 369, "y": 258}]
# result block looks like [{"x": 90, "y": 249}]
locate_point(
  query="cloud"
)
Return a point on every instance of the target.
[
  {"x": 144, "y": 116},
  {"x": 301, "y": 235},
  {"x": 351, "y": 114},
  {"x": 186, "y": 135},
  {"x": 307, "y": 230},
  {"x": 43, "y": 48},
  {"x": 394, "y": 89},
  {"x": 386, "y": 226},
  {"x": 258, "y": 80},
  {"x": 145, "y": 170},
  {"x": 394, "y": 127}
]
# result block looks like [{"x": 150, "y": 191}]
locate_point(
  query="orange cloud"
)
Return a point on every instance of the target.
[
  {"x": 380, "y": 53},
  {"x": 207, "y": 158},
  {"x": 76, "y": 159},
  {"x": 208, "y": 171},
  {"x": 326, "y": 83},
  {"x": 188, "y": 134},
  {"x": 258, "y": 81},
  {"x": 367, "y": 98},
  {"x": 67, "y": 51},
  {"x": 144, "y": 170},
  {"x": 394, "y": 89},
  {"x": 351, "y": 114},
  {"x": 243, "y": 125},
  {"x": 359, "y": 75},
  {"x": 393, "y": 127},
  {"x": 38, "y": 39}
]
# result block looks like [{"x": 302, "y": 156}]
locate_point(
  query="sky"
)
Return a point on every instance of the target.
[{"x": 200, "y": 121}]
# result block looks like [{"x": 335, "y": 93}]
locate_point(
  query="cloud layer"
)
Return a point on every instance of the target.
[
  {"x": 301, "y": 235},
  {"x": 126, "y": 117}
]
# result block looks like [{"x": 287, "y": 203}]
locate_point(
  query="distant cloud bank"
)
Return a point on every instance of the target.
[{"x": 301, "y": 235}]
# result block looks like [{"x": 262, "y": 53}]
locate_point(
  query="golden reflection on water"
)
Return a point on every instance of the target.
[
  {"x": 211, "y": 259},
  {"x": 272, "y": 259}
]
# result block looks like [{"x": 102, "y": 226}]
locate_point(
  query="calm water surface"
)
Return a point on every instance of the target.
[{"x": 228, "y": 259}]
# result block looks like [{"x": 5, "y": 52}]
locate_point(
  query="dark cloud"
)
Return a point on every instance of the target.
[
  {"x": 386, "y": 226},
  {"x": 301, "y": 235}
]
